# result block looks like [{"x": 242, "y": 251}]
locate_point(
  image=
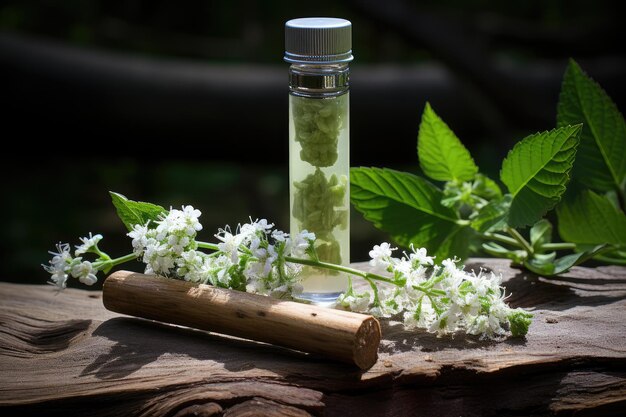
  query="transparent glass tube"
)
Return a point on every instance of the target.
[{"x": 319, "y": 167}]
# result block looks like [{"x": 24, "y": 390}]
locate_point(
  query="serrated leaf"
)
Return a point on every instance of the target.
[
  {"x": 409, "y": 209},
  {"x": 492, "y": 217},
  {"x": 591, "y": 219},
  {"x": 540, "y": 233},
  {"x": 536, "y": 172},
  {"x": 601, "y": 161},
  {"x": 441, "y": 154},
  {"x": 135, "y": 212}
]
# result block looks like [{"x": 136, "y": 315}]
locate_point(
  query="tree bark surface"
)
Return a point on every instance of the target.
[{"x": 65, "y": 354}]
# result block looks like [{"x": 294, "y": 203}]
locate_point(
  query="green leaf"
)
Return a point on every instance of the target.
[
  {"x": 601, "y": 161},
  {"x": 540, "y": 233},
  {"x": 536, "y": 171},
  {"x": 485, "y": 187},
  {"x": 492, "y": 217},
  {"x": 540, "y": 267},
  {"x": 409, "y": 209},
  {"x": 563, "y": 264},
  {"x": 500, "y": 251},
  {"x": 591, "y": 219},
  {"x": 442, "y": 155},
  {"x": 135, "y": 212}
]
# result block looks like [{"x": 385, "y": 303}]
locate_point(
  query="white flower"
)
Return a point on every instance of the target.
[
  {"x": 414, "y": 276},
  {"x": 85, "y": 273},
  {"x": 229, "y": 243},
  {"x": 177, "y": 243},
  {"x": 477, "y": 325},
  {"x": 452, "y": 288},
  {"x": 442, "y": 324},
  {"x": 60, "y": 264},
  {"x": 157, "y": 257},
  {"x": 265, "y": 258},
  {"x": 381, "y": 255},
  {"x": 391, "y": 300},
  {"x": 191, "y": 217},
  {"x": 139, "y": 234},
  {"x": 272, "y": 256},
  {"x": 470, "y": 304},
  {"x": 190, "y": 265},
  {"x": 220, "y": 267},
  {"x": 89, "y": 242},
  {"x": 298, "y": 245},
  {"x": 255, "y": 286},
  {"x": 356, "y": 302},
  {"x": 256, "y": 226},
  {"x": 167, "y": 246},
  {"x": 279, "y": 235},
  {"x": 179, "y": 222},
  {"x": 449, "y": 266},
  {"x": 452, "y": 271},
  {"x": 419, "y": 255}
]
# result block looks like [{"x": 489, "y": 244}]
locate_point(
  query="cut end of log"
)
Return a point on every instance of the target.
[{"x": 367, "y": 340}]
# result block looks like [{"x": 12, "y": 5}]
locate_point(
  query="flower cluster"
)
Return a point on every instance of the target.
[
  {"x": 441, "y": 299},
  {"x": 63, "y": 264},
  {"x": 257, "y": 258},
  {"x": 167, "y": 243},
  {"x": 252, "y": 258}
]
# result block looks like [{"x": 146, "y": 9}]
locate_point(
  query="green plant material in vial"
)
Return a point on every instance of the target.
[
  {"x": 317, "y": 124},
  {"x": 318, "y": 206}
]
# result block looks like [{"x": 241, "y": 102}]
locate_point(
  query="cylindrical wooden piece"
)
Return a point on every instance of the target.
[{"x": 341, "y": 335}]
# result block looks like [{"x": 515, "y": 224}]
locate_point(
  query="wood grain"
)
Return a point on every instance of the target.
[
  {"x": 341, "y": 335},
  {"x": 64, "y": 354}
]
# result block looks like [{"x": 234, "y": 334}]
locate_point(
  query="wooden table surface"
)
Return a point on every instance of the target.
[{"x": 64, "y": 354}]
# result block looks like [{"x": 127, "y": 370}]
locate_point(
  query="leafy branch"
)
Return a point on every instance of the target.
[
  {"x": 469, "y": 213},
  {"x": 259, "y": 259}
]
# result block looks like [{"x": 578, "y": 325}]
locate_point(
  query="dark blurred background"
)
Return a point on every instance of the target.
[{"x": 186, "y": 102}]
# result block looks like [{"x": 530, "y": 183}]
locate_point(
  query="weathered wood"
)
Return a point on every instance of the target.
[
  {"x": 341, "y": 335},
  {"x": 65, "y": 354}
]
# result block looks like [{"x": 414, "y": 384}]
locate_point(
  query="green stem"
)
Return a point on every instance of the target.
[
  {"x": 520, "y": 239},
  {"x": 206, "y": 245},
  {"x": 104, "y": 256},
  {"x": 114, "y": 262},
  {"x": 374, "y": 287},
  {"x": 557, "y": 246},
  {"x": 319, "y": 264},
  {"x": 340, "y": 268},
  {"x": 502, "y": 238},
  {"x": 367, "y": 276},
  {"x": 610, "y": 260}
]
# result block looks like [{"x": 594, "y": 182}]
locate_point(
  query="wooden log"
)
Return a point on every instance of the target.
[
  {"x": 348, "y": 337},
  {"x": 65, "y": 354}
]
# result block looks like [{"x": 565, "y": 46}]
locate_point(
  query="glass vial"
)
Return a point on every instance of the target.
[{"x": 319, "y": 50}]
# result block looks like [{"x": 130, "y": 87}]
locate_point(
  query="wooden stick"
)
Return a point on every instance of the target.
[{"x": 341, "y": 335}]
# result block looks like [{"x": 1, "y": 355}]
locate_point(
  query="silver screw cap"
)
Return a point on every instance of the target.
[{"x": 318, "y": 40}]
